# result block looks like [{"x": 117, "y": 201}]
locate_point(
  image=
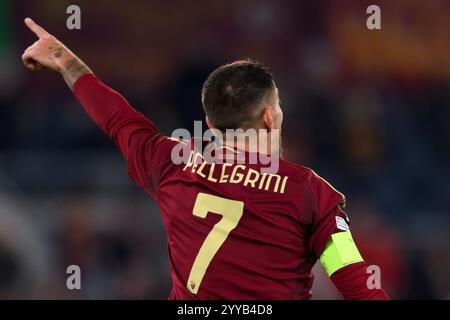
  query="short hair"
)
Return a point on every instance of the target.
[{"x": 232, "y": 93}]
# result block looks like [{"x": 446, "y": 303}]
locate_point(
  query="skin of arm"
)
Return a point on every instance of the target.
[{"x": 50, "y": 53}]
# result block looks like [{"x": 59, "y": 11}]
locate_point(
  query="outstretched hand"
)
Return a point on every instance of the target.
[
  {"x": 47, "y": 52},
  {"x": 50, "y": 53}
]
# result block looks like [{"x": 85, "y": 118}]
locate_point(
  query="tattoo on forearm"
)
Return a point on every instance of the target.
[
  {"x": 73, "y": 69},
  {"x": 70, "y": 64}
]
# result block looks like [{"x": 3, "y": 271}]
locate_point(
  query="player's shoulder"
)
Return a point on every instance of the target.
[
  {"x": 301, "y": 172},
  {"x": 318, "y": 185}
]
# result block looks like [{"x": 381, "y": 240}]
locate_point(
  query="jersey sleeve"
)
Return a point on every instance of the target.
[
  {"x": 351, "y": 281},
  {"x": 328, "y": 216},
  {"x": 331, "y": 240},
  {"x": 145, "y": 150}
]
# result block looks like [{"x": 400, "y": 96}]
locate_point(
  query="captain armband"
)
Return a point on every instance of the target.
[{"x": 340, "y": 251}]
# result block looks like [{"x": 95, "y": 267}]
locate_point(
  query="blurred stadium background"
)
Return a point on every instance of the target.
[{"x": 368, "y": 110}]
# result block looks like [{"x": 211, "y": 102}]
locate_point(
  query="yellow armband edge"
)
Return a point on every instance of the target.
[{"x": 339, "y": 252}]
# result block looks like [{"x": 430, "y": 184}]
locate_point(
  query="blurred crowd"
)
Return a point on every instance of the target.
[{"x": 368, "y": 110}]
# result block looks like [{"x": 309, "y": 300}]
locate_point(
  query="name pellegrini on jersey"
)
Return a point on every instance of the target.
[{"x": 235, "y": 173}]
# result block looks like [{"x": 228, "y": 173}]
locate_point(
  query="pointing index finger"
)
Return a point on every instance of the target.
[{"x": 38, "y": 30}]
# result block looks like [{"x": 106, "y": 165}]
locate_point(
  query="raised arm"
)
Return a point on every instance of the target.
[{"x": 143, "y": 148}]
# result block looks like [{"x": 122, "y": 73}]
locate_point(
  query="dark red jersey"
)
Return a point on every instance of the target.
[{"x": 233, "y": 233}]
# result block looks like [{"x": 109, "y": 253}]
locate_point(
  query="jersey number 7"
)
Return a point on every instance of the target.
[{"x": 231, "y": 212}]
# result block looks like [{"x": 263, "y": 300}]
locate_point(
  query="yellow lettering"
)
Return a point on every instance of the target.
[
  {"x": 261, "y": 183},
  {"x": 249, "y": 180},
  {"x": 235, "y": 176},
  {"x": 190, "y": 161},
  {"x": 277, "y": 183},
  {"x": 283, "y": 185},
  {"x": 199, "y": 171},
  {"x": 224, "y": 177},
  {"x": 211, "y": 171}
]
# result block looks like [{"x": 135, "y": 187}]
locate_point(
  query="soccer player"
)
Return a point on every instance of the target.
[{"x": 233, "y": 232}]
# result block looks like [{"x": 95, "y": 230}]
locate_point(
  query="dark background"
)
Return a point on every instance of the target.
[{"x": 368, "y": 110}]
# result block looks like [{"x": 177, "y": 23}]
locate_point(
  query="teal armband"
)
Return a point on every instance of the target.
[{"x": 339, "y": 252}]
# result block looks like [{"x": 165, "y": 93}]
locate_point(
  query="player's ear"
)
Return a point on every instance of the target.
[
  {"x": 209, "y": 123},
  {"x": 268, "y": 118}
]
